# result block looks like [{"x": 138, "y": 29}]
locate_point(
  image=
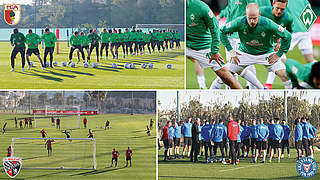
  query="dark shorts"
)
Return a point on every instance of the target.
[
  {"x": 170, "y": 143},
  {"x": 298, "y": 144},
  {"x": 275, "y": 144},
  {"x": 166, "y": 143},
  {"x": 49, "y": 147},
  {"x": 176, "y": 141},
  {"x": 187, "y": 141},
  {"x": 285, "y": 143},
  {"x": 128, "y": 158},
  {"x": 43, "y": 135},
  {"x": 311, "y": 141},
  {"x": 116, "y": 159},
  {"x": 34, "y": 51},
  {"x": 254, "y": 142},
  {"x": 68, "y": 136},
  {"x": 48, "y": 50},
  {"x": 246, "y": 142},
  {"x": 261, "y": 145}
]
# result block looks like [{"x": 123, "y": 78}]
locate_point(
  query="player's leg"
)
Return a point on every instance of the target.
[
  {"x": 272, "y": 150},
  {"x": 70, "y": 53},
  {"x": 200, "y": 73},
  {"x": 23, "y": 55},
  {"x": 46, "y": 52},
  {"x": 251, "y": 68},
  {"x": 37, "y": 53},
  {"x": 221, "y": 146},
  {"x": 28, "y": 54},
  {"x": 189, "y": 145},
  {"x": 238, "y": 146},
  {"x": 101, "y": 49},
  {"x": 288, "y": 148},
  {"x": 215, "y": 147},
  {"x": 97, "y": 51},
  {"x": 82, "y": 53},
  {"x": 111, "y": 49},
  {"x": 123, "y": 49},
  {"x": 51, "y": 56},
  {"x": 305, "y": 46}
]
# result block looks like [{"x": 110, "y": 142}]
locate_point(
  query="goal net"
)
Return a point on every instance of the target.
[
  {"x": 45, "y": 117},
  {"x": 72, "y": 153}
]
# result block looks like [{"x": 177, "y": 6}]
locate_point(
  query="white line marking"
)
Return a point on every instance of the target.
[{"x": 240, "y": 168}]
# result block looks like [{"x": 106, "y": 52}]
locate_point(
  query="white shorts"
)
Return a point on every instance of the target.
[
  {"x": 248, "y": 59},
  {"x": 235, "y": 44},
  {"x": 304, "y": 42},
  {"x": 201, "y": 57}
]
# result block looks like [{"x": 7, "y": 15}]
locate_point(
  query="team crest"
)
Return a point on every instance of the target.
[
  {"x": 12, "y": 166},
  {"x": 192, "y": 17},
  {"x": 281, "y": 29},
  {"x": 210, "y": 14},
  {"x": 263, "y": 34},
  {"x": 12, "y": 13},
  {"x": 307, "y": 167}
]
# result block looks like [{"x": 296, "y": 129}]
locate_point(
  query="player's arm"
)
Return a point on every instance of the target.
[
  {"x": 283, "y": 34},
  {"x": 11, "y": 40},
  {"x": 23, "y": 40},
  {"x": 71, "y": 40},
  {"x": 289, "y": 132},
  {"x": 227, "y": 29},
  {"x": 224, "y": 12}
]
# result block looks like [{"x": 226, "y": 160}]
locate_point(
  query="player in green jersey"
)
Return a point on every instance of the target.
[
  {"x": 114, "y": 43},
  {"x": 121, "y": 43},
  {"x": 153, "y": 40},
  {"x": 68, "y": 135},
  {"x": 33, "y": 40},
  {"x": 49, "y": 41},
  {"x": 105, "y": 39},
  {"x": 308, "y": 74},
  {"x": 85, "y": 41},
  {"x": 257, "y": 36},
  {"x": 147, "y": 40},
  {"x": 76, "y": 43},
  {"x": 18, "y": 40},
  {"x": 94, "y": 38},
  {"x": 178, "y": 39},
  {"x": 203, "y": 43},
  {"x": 127, "y": 40}
]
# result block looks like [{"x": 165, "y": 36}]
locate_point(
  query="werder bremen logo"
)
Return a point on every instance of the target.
[{"x": 308, "y": 17}]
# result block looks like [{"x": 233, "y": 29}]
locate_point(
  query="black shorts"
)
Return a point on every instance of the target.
[
  {"x": 48, "y": 50},
  {"x": 166, "y": 143},
  {"x": 176, "y": 141},
  {"x": 261, "y": 145},
  {"x": 68, "y": 136},
  {"x": 49, "y": 148},
  {"x": 187, "y": 141},
  {"x": 246, "y": 142},
  {"x": 116, "y": 159},
  {"x": 128, "y": 158},
  {"x": 43, "y": 135},
  {"x": 276, "y": 144},
  {"x": 34, "y": 51},
  {"x": 311, "y": 141},
  {"x": 285, "y": 143},
  {"x": 170, "y": 143},
  {"x": 298, "y": 144},
  {"x": 254, "y": 142}
]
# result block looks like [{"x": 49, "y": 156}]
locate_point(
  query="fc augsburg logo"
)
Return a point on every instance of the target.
[
  {"x": 307, "y": 167},
  {"x": 308, "y": 17},
  {"x": 12, "y": 166},
  {"x": 12, "y": 13}
]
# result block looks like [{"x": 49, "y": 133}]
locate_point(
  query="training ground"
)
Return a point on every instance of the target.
[
  {"x": 262, "y": 72},
  {"x": 126, "y": 130},
  {"x": 103, "y": 77},
  {"x": 184, "y": 169}
]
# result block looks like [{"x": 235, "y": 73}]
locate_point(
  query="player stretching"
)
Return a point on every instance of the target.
[
  {"x": 90, "y": 134},
  {"x": 107, "y": 125},
  {"x": 94, "y": 38},
  {"x": 115, "y": 155},
  {"x": 128, "y": 156},
  {"x": 48, "y": 145},
  {"x": 68, "y": 135},
  {"x": 17, "y": 40},
  {"x": 9, "y": 151},
  {"x": 4, "y": 128},
  {"x": 33, "y": 40},
  {"x": 84, "y": 45},
  {"x": 76, "y": 43},
  {"x": 43, "y": 133},
  {"x": 49, "y": 41}
]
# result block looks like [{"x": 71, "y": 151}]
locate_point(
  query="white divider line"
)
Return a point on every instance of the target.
[{"x": 240, "y": 167}]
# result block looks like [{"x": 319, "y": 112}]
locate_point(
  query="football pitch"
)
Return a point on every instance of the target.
[
  {"x": 103, "y": 77},
  {"x": 126, "y": 130},
  {"x": 262, "y": 73},
  {"x": 184, "y": 169}
]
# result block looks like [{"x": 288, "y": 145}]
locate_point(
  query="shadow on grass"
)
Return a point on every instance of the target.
[
  {"x": 93, "y": 172},
  {"x": 75, "y": 72},
  {"x": 208, "y": 177},
  {"x": 55, "y": 73},
  {"x": 41, "y": 76}
]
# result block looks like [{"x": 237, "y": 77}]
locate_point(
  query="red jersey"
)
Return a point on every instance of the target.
[
  {"x": 128, "y": 153},
  {"x": 49, "y": 143},
  {"x": 26, "y": 120},
  {"x": 43, "y": 132},
  {"x": 58, "y": 121},
  {"x": 233, "y": 130},
  {"x": 90, "y": 133},
  {"x": 85, "y": 121},
  {"x": 9, "y": 152},
  {"x": 115, "y": 154},
  {"x": 165, "y": 133}
]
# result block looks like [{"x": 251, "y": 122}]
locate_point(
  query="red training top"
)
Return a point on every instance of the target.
[
  {"x": 165, "y": 132},
  {"x": 115, "y": 154},
  {"x": 233, "y": 130},
  {"x": 128, "y": 153}
]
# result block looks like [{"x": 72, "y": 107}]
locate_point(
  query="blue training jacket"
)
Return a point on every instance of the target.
[
  {"x": 186, "y": 129},
  {"x": 263, "y": 132},
  {"x": 287, "y": 132},
  {"x": 171, "y": 132},
  {"x": 200, "y": 127},
  {"x": 219, "y": 133},
  {"x": 278, "y": 132},
  {"x": 246, "y": 133},
  {"x": 239, "y": 135},
  {"x": 271, "y": 130},
  {"x": 298, "y": 132},
  {"x": 313, "y": 131},
  {"x": 177, "y": 131},
  {"x": 253, "y": 131},
  {"x": 306, "y": 129},
  {"x": 206, "y": 132}
]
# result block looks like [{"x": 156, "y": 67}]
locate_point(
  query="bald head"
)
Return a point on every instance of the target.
[{"x": 252, "y": 13}]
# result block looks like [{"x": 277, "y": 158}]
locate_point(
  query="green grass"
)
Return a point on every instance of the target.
[
  {"x": 262, "y": 73},
  {"x": 105, "y": 77},
  {"x": 127, "y": 130},
  {"x": 184, "y": 169}
]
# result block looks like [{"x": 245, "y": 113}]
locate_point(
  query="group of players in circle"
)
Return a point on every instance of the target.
[
  {"x": 134, "y": 41},
  {"x": 264, "y": 141},
  {"x": 256, "y": 32}
]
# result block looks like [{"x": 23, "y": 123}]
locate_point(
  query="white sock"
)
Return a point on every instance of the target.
[
  {"x": 249, "y": 76},
  {"x": 264, "y": 159},
  {"x": 271, "y": 77},
  {"x": 251, "y": 68},
  {"x": 201, "y": 81},
  {"x": 256, "y": 158},
  {"x": 287, "y": 84},
  {"x": 217, "y": 83}
]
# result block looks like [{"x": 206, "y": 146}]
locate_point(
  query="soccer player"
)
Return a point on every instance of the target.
[
  {"x": 254, "y": 136},
  {"x": 308, "y": 74},
  {"x": 68, "y": 135},
  {"x": 176, "y": 139},
  {"x": 114, "y": 39},
  {"x": 16, "y": 122},
  {"x": 30, "y": 122},
  {"x": 233, "y": 132},
  {"x": 25, "y": 122},
  {"x": 94, "y": 40},
  {"x": 43, "y": 133},
  {"x": 107, "y": 125},
  {"x": 148, "y": 131},
  {"x": 58, "y": 123},
  {"x": 48, "y": 145},
  {"x": 312, "y": 135},
  {"x": 153, "y": 40},
  {"x": 202, "y": 23},
  {"x": 115, "y": 155},
  {"x": 271, "y": 136},
  {"x": 134, "y": 38},
  {"x": 85, "y": 45},
  {"x": 85, "y": 122},
  {"x": 9, "y": 151},
  {"x": 105, "y": 39},
  {"x": 218, "y": 135},
  {"x": 4, "y": 128},
  {"x": 21, "y": 124},
  {"x": 200, "y": 137},
  {"x": 17, "y": 40},
  {"x": 245, "y": 138},
  {"x": 76, "y": 43},
  {"x": 127, "y": 41},
  {"x": 52, "y": 121},
  {"x": 178, "y": 39},
  {"x": 151, "y": 123},
  {"x": 277, "y": 139},
  {"x": 90, "y": 133},
  {"x": 263, "y": 134},
  {"x": 206, "y": 133},
  {"x": 128, "y": 156},
  {"x": 239, "y": 141},
  {"x": 165, "y": 139},
  {"x": 298, "y": 133},
  {"x": 49, "y": 41},
  {"x": 285, "y": 141},
  {"x": 147, "y": 40},
  {"x": 187, "y": 141},
  {"x": 171, "y": 135},
  {"x": 33, "y": 40},
  {"x": 306, "y": 136},
  {"x": 195, "y": 141},
  {"x": 121, "y": 37}
]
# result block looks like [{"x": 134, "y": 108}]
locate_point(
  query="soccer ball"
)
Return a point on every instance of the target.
[
  {"x": 64, "y": 64},
  {"x": 73, "y": 65},
  {"x": 143, "y": 66},
  {"x": 95, "y": 65},
  {"x": 114, "y": 65},
  {"x": 86, "y": 65},
  {"x": 47, "y": 64},
  {"x": 150, "y": 65},
  {"x": 169, "y": 66},
  {"x": 132, "y": 66},
  {"x": 31, "y": 63},
  {"x": 126, "y": 65},
  {"x": 55, "y": 63}
]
